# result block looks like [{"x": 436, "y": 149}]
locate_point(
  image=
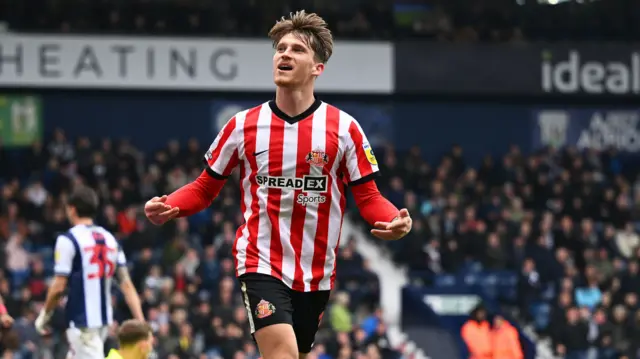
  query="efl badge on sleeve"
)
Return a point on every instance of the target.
[{"x": 368, "y": 151}]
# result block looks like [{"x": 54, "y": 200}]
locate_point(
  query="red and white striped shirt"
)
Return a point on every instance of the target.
[{"x": 293, "y": 173}]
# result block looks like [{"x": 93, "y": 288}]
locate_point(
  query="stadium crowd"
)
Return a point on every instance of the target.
[
  {"x": 440, "y": 20},
  {"x": 183, "y": 270},
  {"x": 566, "y": 221}
]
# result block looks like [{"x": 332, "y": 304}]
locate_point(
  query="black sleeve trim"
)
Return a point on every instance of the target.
[
  {"x": 213, "y": 173},
  {"x": 365, "y": 179}
]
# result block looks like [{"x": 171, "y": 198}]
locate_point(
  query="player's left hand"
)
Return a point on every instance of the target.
[
  {"x": 42, "y": 322},
  {"x": 395, "y": 229},
  {"x": 6, "y": 321}
]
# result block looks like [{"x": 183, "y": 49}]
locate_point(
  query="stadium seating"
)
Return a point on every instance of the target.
[
  {"x": 553, "y": 252},
  {"x": 183, "y": 270}
]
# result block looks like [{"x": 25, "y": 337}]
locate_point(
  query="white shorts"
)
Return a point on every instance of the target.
[{"x": 86, "y": 343}]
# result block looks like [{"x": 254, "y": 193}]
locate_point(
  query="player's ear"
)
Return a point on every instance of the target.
[
  {"x": 318, "y": 68},
  {"x": 71, "y": 211}
]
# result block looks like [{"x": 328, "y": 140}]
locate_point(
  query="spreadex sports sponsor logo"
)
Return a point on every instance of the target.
[
  {"x": 314, "y": 185},
  {"x": 305, "y": 199}
]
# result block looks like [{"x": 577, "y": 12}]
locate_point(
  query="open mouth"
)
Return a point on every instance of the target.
[{"x": 285, "y": 68}]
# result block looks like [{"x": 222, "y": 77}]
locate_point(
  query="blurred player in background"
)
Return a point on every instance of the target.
[
  {"x": 135, "y": 338},
  {"x": 86, "y": 259},
  {"x": 295, "y": 154}
]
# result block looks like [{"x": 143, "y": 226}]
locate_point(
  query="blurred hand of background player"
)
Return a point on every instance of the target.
[
  {"x": 6, "y": 321},
  {"x": 395, "y": 229},
  {"x": 158, "y": 211},
  {"x": 42, "y": 322}
]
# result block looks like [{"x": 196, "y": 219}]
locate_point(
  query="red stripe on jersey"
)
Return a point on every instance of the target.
[
  {"x": 276, "y": 148},
  {"x": 233, "y": 162},
  {"x": 224, "y": 137},
  {"x": 332, "y": 125},
  {"x": 363, "y": 163},
  {"x": 305, "y": 140},
  {"x": 243, "y": 208},
  {"x": 343, "y": 206},
  {"x": 253, "y": 223}
]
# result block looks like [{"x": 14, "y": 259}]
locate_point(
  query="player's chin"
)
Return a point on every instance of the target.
[{"x": 281, "y": 81}]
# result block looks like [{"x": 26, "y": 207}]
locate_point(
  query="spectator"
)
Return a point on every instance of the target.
[
  {"x": 589, "y": 296},
  {"x": 505, "y": 341},
  {"x": 619, "y": 339},
  {"x": 627, "y": 240},
  {"x": 495, "y": 255},
  {"x": 340, "y": 315},
  {"x": 529, "y": 284},
  {"x": 17, "y": 257},
  {"x": 572, "y": 339},
  {"x": 476, "y": 333}
]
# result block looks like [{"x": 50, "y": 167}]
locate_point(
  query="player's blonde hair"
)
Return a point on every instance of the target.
[{"x": 310, "y": 28}]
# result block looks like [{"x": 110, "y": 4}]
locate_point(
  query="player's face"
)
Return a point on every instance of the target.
[{"x": 294, "y": 62}]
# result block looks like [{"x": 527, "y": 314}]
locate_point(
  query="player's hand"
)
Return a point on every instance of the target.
[
  {"x": 395, "y": 229},
  {"x": 158, "y": 211},
  {"x": 6, "y": 321},
  {"x": 42, "y": 322}
]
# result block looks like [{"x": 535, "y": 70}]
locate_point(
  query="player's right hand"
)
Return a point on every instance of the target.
[
  {"x": 42, "y": 322},
  {"x": 158, "y": 211},
  {"x": 6, "y": 321}
]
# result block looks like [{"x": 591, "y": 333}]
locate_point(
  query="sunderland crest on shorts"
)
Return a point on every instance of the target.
[
  {"x": 317, "y": 158},
  {"x": 264, "y": 309}
]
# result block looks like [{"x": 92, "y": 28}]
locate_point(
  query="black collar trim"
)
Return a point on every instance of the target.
[{"x": 291, "y": 120}]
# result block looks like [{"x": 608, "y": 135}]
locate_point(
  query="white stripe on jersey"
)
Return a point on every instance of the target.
[
  {"x": 242, "y": 240},
  {"x": 264, "y": 225}
]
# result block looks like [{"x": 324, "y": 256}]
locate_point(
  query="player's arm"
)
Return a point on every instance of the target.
[
  {"x": 371, "y": 203},
  {"x": 197, "y": 195},
  {"x": 130, "y": 293},
  {"x": 5, "y": 318},
  {"x": 360, "y": 167},
  {"x": 221, "y": 159},
  {"x": 64, "y": 253},
  {"x": 127, "y": 287},
  {"x": 56, "y": 291}
]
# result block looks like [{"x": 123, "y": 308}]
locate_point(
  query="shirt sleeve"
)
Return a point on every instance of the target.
[
  {"x": 360, "y": 163},
  {"x": 222, "y": 156},
  {"x": 64, "y": 253}
]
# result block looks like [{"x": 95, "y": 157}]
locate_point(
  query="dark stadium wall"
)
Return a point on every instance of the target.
[{"x": 150, "y": 119}]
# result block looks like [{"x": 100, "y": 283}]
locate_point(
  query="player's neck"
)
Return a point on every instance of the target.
[
  {"x": 83, "y": 221},
  {"x": 294, "y": 101}
]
